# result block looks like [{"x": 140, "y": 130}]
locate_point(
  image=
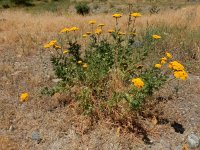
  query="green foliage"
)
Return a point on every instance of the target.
[
  {"x": 22, "y": 2},
  {"x": 85, "y": 101},
  {"x": 82, "y": 8},
  {"x": 153, "y": 79}
]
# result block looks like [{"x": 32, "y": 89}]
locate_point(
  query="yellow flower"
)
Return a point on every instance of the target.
[
  {"x": 176, "y": 66},
  {"x": 121, "y": 33},
  {"x": 163, "y": 60},
  {"x": 92, "y": 22},
  {"x": 138, "y": 82},
  {"x": 85, "y": 65},
  {"x": 65, "y": 51},
  {"x": 168, "y": 55},
  {"x": 52, "y": 42},
  {"x": 84, "y": 35},
  {"x": 79, "y": 62},
  {"x": 158, "y": 65},
  {"x": 88, "y": 33},
  {"x": 136, "y": 15},
  {"x": 98, "y": 31},
  {"x": 65, "y": 30},
  {"x": 47, "y": 46},
  {"x": 156, "y": 36},
  {"x": 57, "y": 47},
  {"x": 73, "y": 29},
  {"x": 101, "y": 25},
  {"x": 111, "y": 31},
  {"x": 181, "y": 74},
  {"x": 117, "y": 15},
  {"x": 24, "y": 97}
]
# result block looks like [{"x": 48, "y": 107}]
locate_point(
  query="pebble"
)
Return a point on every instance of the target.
[
  {"x": 36, "y": 136},
  {"x": 193, "y": 141}
]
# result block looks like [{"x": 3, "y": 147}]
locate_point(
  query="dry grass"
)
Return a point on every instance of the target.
[
  {"x": 8, "y": 144},
  {"x": 27, "y": 32}
]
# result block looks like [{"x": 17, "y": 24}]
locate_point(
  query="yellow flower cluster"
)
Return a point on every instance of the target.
[
  {"x": 179, "y": 70},
  {"x": 138, "y": 83},
  {"x": 136, "y": 15},
  {"x": 176, "y": 66},
  {"x": 65, "y": 30},
  {"x": 73, "y": 29},
  {"x": 24, "y": 97},
  {"x": 163, "y": 60},
  {"x": 181, "y": 74}
]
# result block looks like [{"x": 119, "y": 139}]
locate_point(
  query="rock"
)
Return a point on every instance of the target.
[
  {"x": 56, "y": 80},
  {"x": 36, "y": 136},
  {"x": 193, "y": 141},
  {"x": 137, "y": 44},
  {"x": 11, "y": 128}
]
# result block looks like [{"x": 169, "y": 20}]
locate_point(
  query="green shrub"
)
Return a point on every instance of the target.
[
  {"x": 22, "y": 2},
  {"x": 82, "y": 8},
  {"x": 108, "y": 70}
]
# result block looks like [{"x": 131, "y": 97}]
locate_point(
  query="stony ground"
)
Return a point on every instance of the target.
[{"x": 41, "y": 124}]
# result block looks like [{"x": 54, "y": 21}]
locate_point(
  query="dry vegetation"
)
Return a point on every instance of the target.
[
  {"x": 22, "y": 36},
  {"x": 29, "y": 31}
]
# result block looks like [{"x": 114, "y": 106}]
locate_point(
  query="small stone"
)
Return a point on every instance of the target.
[
  {"x": 11, "y": 128},
  {"x": 36, "y": 136},
  {"x": 193, "y": 141},
  {"x": 56, "y": 80},
  {"x": 137, "y": 44}
]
